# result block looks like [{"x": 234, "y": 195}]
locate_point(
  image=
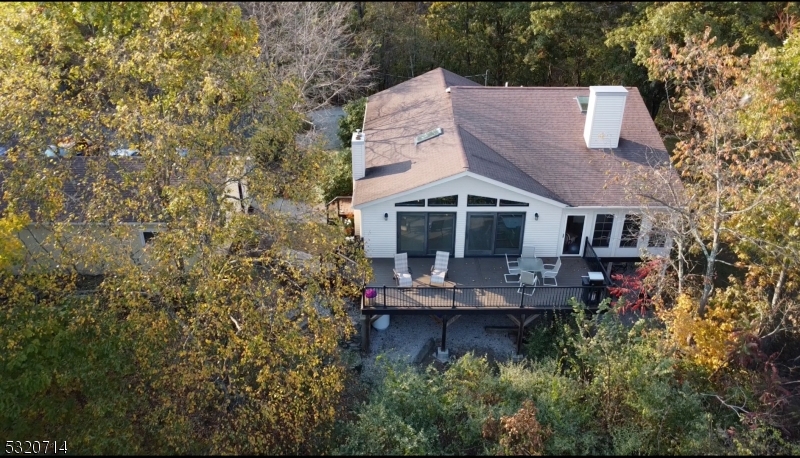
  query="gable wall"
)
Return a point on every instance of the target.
[{"x": 380, "y": 236}]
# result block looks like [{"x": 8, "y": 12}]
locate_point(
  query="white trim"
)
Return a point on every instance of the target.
[
  {"x": 459, "y": 175},
  {"x": 409, "y": 191},
  {"x": 563, "y": 230}
]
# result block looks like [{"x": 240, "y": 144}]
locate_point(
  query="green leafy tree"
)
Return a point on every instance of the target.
[
  {"x": 353, "y": 119},
  {"x": 480, "y": 38}
]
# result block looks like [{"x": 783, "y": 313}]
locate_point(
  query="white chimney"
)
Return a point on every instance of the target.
[
  {"x": 604, "y": 116},
  {"x": 359, "y": 154}
]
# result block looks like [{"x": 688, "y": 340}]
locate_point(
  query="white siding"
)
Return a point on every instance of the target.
[
  {"x": 357, "y": 222},
  {"x": 380, "y": 236},
  {"x": 545, "y": 234}
]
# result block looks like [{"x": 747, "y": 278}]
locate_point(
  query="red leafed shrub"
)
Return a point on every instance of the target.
[{"x": 635, "y": 288}]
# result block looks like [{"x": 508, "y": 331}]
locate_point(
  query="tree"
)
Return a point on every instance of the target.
[
  {"x": 566, "y": 45},
  {"x": 311, "y": 43},
  {"x": 476, "y": 37},
  {"x": 715, "y": 157},
  {"x": 354, "y": 112},
  {"x": 656, "y": 25},
  {"x": 222, "y": 333},
  {"x": 402, "y": 48},
  {"x": 11, "y": 249}
]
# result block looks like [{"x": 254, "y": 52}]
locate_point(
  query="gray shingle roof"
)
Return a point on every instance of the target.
[
  {"x": 529, "y": 138},
  {"x": 91, "y": 185}
]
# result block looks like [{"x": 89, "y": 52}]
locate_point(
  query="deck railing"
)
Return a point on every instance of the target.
[
  {"x": 593, "y": 261},
  {"x": 482, "y": 297}
]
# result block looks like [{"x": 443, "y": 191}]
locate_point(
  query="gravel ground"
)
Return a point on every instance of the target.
[{"x": 408, "y": 335}]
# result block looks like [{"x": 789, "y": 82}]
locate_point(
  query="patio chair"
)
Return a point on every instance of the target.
[
  {"x": 527, "y": 279},
  {"x": 528, "y": 252},
  {"x": 401, "y": 272},
  {"x": 439, "y": 268},
  {"x": 513, "y": 270},
  {"x": 550, "y": 271}
]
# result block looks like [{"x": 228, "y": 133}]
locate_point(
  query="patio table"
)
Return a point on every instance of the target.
[{"x": 531, "y": 265}]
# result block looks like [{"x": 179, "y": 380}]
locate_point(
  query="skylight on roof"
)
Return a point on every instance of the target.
[
  {"x": 428, "y": 135},
  {"x": 583, "y": 102}
]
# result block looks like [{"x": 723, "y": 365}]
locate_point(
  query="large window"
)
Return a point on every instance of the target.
[
  {"x": 630, "y": 231},
  {"x": 602, "y": 230},
  {"x": 423, "y": 234},
  {"x": 494, "y": 233},
  {"x": 446, "y": 201}
]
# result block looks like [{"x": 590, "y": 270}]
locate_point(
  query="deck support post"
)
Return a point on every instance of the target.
[
  {"x": 520, "y": 333},
  {"x": 366, "y": 323},
  {"x": 442, "y": 354}
]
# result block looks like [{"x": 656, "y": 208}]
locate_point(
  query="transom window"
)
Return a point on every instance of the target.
[
  {"x": 512, "y": 203},
  {"x": 446, "y": 201},
  {"x": 630, "y": 231},
  {"x": 411, "y": 203},
  {"x": 602, "y": 230},
  {"x": 480, "y": 201}
]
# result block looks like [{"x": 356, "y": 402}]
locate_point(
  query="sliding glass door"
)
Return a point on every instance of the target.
[
  {"x": 494, "y": 233},
  {"x": 423, "y": 234}
]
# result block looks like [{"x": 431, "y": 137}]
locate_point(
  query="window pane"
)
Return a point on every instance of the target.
[
  {"x": 657, "y": 238},
  {"x": 512, "y": 203},
  {"x": 411, "y": 233},
  {"x": 446, "y": 201},
  {"x": 148, "y": 236},
  {"x": 480, "y": 234},
  {"x": 411, "y": 203},
  {"x": 508, "y": 233},
  {"x": 441, "y": 231},
  {"x": 602, "y": 230},
  {"x": 630, "y": 231},
  {"x": 479, "y": 201}
]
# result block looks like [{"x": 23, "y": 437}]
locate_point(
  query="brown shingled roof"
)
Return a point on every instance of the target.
[{"x": 530, "y": 138}]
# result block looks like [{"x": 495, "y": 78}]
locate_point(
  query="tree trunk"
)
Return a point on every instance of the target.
[{"x": 776, "y": 296}]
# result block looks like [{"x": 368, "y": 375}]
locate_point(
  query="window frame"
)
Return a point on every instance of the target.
[{"x": 608, "y": 227}]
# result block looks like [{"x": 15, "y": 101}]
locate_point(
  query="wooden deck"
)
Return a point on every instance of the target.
[
  {"x": 473, "y": 271},
  {"x": 476, "y": 285}
]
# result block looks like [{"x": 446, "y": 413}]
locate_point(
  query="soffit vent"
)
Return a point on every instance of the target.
[{"x": 428, "y": 135}]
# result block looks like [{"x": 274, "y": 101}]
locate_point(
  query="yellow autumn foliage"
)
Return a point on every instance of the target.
[
  {"x": 11, "y": 247},
  {"x": 708, "y": 340}
]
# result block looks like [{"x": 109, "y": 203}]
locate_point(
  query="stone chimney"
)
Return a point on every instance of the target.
[
  {"x": 604, "y": 116},
  {"x": 359, "y": 154}
]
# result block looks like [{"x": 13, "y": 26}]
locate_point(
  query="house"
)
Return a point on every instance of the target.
[
  {"x": 102, "y": 202},
  {"x": 444, "y": 163}
]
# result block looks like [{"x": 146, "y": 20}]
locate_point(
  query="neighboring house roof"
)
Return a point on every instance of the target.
[
  {"x": 527, "y": 137},
  {"x": 86, "y": 181}
]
